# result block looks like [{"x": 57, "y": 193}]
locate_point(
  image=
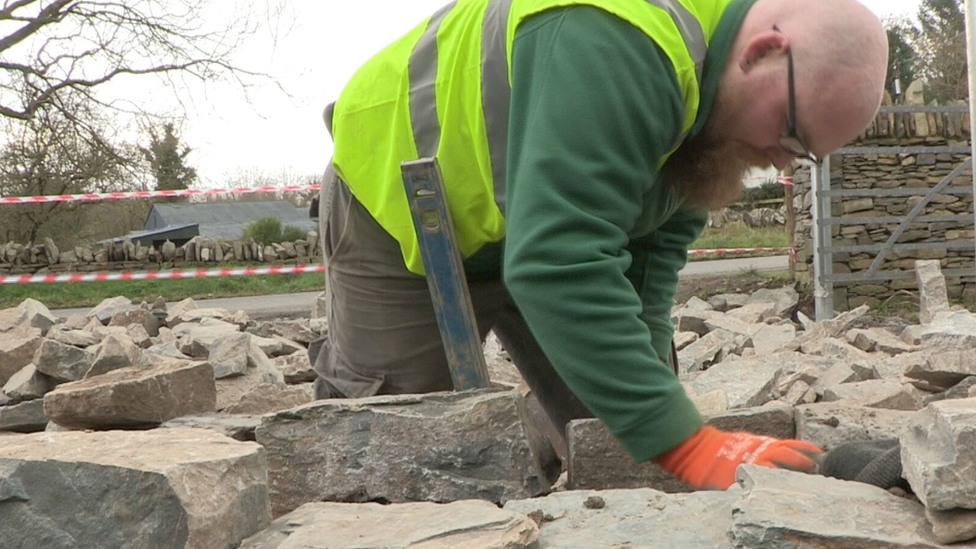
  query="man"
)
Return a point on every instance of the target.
[{"x": 582, "y": 143}]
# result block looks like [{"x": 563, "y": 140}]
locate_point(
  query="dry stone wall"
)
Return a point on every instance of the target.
[
  {"x": 890, "y": 171},
  {"x": 46, "y": 256}
]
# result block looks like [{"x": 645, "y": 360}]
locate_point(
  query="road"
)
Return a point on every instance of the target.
[{"x": 300, "y": 304}]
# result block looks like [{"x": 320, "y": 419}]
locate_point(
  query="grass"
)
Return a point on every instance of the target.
[
  {"x": 738, "y": 235},
  {"x": 87, "y": 294}
]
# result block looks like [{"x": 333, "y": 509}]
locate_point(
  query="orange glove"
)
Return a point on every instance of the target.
[{"x": 709, "y": 457}]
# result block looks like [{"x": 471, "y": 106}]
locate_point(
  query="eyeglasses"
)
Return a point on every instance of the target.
[{"x": 790, "y": 141}]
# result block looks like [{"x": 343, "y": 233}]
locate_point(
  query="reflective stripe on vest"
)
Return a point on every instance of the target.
[{"x": 422, "y": 71}]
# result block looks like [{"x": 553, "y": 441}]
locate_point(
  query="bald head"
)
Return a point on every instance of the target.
[{"x": 840, "y": 58}]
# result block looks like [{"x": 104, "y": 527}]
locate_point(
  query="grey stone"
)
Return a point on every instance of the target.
[
  {"x": 733, "y": 325},
  {"x": 597, "y": 460},
  {"x": 260, "y": 370},
  {"x": 26, "y": 417},
  {"x": 62, "y": 362},
  {"x": 437, "y": 447},
  {"x": 875, "y": 393},
  {"x": 953, "y": 329},
  {"x": 109, "y": 307},
  {"x": 165, "y": 489},
  {"x": 784, "y": 300},
  {"x": 134, "y": 397},
  {"x": 228, "y": 355},
  {"x": 833, "y": 327},
  {"x": 830, "y": 424},
  {"x": 878, "y": 339},
  {"x": 27, "y": 384},
  {"x": 774, "y": 512},
  {"x": 276, "y": 346},
  {"x": 703, "y": 352},
  {"x": 753, "y": 312},
  {"x": 938, "y": 453},
  {"x": 236, "y": 426},
  {"x": 296, "y": 368},
  {"x": 752, "y": 382},
  {"x": 37, "y": 315},
  {"x": 114, "y": 353},
  {"x": 642, "y": 518},
  {"x": 143, "y": 317},
  {"x": 267, "y": 398},
  {"x": 684, "y": 339},
  {"x": 318, "y": 307},
  {"x": 769, "y": 338},
  {"x": 942, "y": 370},
  {"x": 294, "y": 330},
  {"x": 952, "y": 526},
  {"x": 17, "y": 351},
  {"x": 169, "y": 350},
  {"x": 421, "y": 525},
  {"x": 693, "y": 320},
  {"x": 76, "y": 338},
  {"x": 197, "y": 340},
  {"x": 726, "y": 302},
  {"x": 933, "y": 297}
]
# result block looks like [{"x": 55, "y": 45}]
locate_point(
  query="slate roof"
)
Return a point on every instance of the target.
[{"x": 226, "y": 220}]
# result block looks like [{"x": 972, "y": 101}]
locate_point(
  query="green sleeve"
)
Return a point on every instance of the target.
[
  {"x": 595, "y": 106},
  {"x": 654, "y": 274}
]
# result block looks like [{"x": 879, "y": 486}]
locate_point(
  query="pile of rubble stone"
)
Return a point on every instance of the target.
[{"x": 185, "y": 427}]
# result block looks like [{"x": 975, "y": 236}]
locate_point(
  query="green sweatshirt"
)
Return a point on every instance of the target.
[{"x": 595, "y": 238}]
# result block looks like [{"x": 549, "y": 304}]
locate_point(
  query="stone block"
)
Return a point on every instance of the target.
[
  {"x": 26, "y": 417},
  {"x": 774, "y": 512},
  {"x": 134, "y": 397},
  {"x": 933, "y": 298},
  {"x": 597, "y": 460},
  {"x": 938, "y": 453},
  {"x": 165, "y": 489},
  {"x": 830, "y": 424},
  {"x": 468, "y": 524},
  {"x": 752, "y": 382},
  {"x": 437, "y": 447},
  {"x": 642, "y": 518}
]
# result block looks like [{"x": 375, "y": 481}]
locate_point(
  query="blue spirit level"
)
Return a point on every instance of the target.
[{"x": 445, "y": 273}]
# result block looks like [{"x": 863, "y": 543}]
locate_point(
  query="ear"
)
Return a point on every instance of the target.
[{"x": 762, "y": 45}]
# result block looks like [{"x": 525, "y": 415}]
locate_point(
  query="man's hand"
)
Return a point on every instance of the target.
[{"x": 709, "y": 457}]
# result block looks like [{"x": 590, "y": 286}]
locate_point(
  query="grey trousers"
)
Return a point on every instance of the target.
[{"x": 383, "y": 336}]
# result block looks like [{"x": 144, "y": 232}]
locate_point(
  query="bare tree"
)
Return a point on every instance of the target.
[
  {"x": 56, "y": 45},
  {"x": 49, "y": 154}
]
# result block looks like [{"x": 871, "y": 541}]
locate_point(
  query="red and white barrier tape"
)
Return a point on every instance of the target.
[
  {"x": 96, "y": 197},
  {"x": 160, "y": 275},
  {"x": 172, "y": 274},
  {"x": 734, "y": 250}
]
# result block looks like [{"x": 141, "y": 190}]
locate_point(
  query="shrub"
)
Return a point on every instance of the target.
[
  {"x": 292, "y": 233},
  {"x": 264, "y": 231},
  {"x": 766, "y": 191}
]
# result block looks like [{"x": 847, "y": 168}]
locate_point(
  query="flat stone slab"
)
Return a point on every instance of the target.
[
  {"x": 134, "y": 397},
  {"x": 644, "y": 518},
  {"x": 752, "y": 382},
  {"x": 164, "y": 488},
  {"x": 830, "y": 424},
  {"x": 463, "y": 524},
  {"x": 437, "y": 447},
  {"x": 597, "y": 460},
  {"x": 780, "y": 509},
  {"x": 938, "y": 453},
  {"x": 26, "y": 417}
]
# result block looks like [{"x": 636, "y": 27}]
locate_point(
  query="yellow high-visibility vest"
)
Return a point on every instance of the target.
[{"x": 442, "y": 90}]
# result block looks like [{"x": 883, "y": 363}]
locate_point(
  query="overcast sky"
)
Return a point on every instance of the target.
[{"x": 322, "y": 44}]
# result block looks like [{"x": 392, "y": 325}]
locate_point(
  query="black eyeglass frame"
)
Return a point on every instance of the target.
[{"x": 790, "y": 141}]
